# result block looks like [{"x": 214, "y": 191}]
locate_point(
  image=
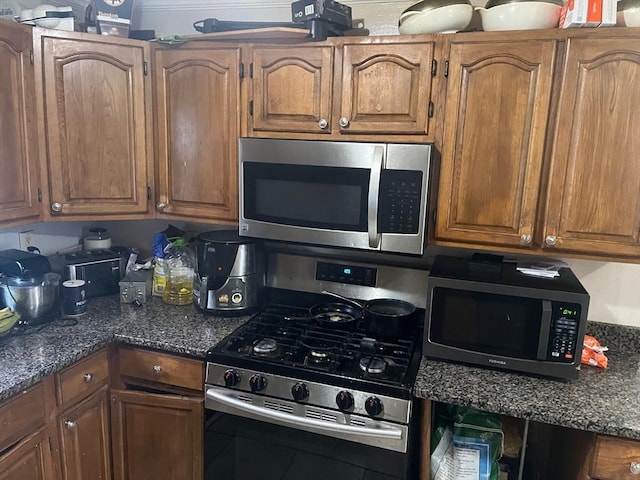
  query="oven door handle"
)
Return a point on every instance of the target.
[
  {"x": 374, "y": 193},
  {"x": 295, "y": 421}
]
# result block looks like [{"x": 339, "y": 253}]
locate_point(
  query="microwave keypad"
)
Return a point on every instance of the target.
[
  {"x": 400, "y": 193},
  {"x": 564, "y": 335}
]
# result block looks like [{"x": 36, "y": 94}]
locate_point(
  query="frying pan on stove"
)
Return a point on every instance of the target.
[
  {"x": 334, "y": 314},
  {"x": 384, "y": 317}
]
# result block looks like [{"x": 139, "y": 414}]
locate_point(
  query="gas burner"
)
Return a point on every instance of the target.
[
  {"x": 373, "y": 364},
  {"x": 319, "y": 357},
  {"x": 265, "y": 346}
]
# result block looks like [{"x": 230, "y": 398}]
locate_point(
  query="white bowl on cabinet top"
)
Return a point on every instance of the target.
[
  {"x": 520, "y": 16},
  {"x": 443, "y": 19}
]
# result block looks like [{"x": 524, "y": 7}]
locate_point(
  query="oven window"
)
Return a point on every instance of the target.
[
  {"x": 238, "y": 448},
  {"x": 307, "y": 196},
  {"x": 486, "y": 323}
]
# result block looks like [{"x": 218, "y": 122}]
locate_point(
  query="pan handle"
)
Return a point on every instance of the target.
[{"x": 345, "y": 299}]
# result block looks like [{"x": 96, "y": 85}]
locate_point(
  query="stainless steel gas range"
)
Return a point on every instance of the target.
[{"x": 316, "y": 380}]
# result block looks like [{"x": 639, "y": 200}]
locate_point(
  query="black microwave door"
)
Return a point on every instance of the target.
[
  {"x": 329, "y": 198},
  {"x": 487, "y": 323}
]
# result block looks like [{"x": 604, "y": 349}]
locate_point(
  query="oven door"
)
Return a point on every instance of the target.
[{"x": 248, "y": 445}]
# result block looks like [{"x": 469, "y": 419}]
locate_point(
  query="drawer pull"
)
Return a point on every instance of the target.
[
  {"x": 157, "y": 369},
  {"x": 634, "y": 468},
  {"x": 88, "y": 377},
  {"x": 70, "y": 424}
]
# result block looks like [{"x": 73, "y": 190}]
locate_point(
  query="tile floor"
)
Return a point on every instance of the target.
[{"x": 267, "y": 452}]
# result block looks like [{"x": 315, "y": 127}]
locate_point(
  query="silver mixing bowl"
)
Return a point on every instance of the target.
[{"x": 32, "y": 298}]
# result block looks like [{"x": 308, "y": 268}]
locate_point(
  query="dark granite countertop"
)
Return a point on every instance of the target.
[
  {"x": 604, "y": 401},
  {"x": 26, "y": 359}
]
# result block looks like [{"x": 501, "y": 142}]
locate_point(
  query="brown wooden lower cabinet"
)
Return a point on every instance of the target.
[
  {"x": 85, "y": 439},
  {"x": 28, "y": 460},
  {"x": 157, "y": 436}
]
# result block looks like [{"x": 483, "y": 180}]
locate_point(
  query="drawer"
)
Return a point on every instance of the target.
[
  {"x": 614, "y": 457},
  {"x": 82, "y": 378},
  {"x": 21, "y": 415},
  {"x": 162, "y": 368}
]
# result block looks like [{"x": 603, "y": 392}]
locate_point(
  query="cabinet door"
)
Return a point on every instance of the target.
[
  {"x": 18, "y": 149},
  {"x": 498, "y": 98},
  {"x": 594, "y": 187},
  {"x": 157, "y": 436},
  {"x": 292, "y": 89},
  {"x": 85, "y": 439},
  {"x": 29, "y": 460},
  {"x": 197, "y": 125},
  {"x": 386, "y": 88},
  {"x": 96, "y": 124}
]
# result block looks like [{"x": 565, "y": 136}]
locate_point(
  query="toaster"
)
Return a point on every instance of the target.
[{"x": 101, "y": 269}]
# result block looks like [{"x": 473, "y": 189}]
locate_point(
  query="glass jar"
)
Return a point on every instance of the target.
[{"x": 179, "y": 266}]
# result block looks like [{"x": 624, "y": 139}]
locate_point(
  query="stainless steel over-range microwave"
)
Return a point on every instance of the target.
[{"x": 370, "y": 196}]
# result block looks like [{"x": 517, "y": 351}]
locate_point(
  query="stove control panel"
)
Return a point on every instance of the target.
[
  {"x": 342, "y": 273},
  {"x": 307, "y": 393}
]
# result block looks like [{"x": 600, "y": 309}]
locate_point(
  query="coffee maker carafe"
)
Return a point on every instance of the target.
[{"x": 229, "y": 274}]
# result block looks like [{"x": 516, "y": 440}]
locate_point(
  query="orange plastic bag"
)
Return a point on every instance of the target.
[{"x": 593, "y": 353}]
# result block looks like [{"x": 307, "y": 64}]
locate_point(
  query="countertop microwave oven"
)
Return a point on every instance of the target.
[
  {"x": 493, "y": 315},
  {"x": 370, "y": 196}
]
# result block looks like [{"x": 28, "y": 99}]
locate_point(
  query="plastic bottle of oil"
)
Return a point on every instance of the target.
[{"x": 179, "y": 266}]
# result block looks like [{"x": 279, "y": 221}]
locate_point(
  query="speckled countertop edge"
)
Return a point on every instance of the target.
[
  {"x": 27, "y": 359},
  {"x": 600, "y": 400},
  {"x": 603, "y": 401}
]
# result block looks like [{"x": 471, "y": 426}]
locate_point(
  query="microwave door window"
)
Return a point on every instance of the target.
[
  {"x": 329, "y": 198},
  {"x": 486, "y": 323}
]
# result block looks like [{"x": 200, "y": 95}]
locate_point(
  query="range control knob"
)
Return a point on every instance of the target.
[
  {"x": 231, "y": 378},
  {"x": 344, "y": 400},
  {"x": 300, "y": 392},
  {"x": 373, "y": 406},
  {"x": 257, "y": 383}
]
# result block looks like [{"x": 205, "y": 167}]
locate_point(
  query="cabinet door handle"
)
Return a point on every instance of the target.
[
  {"x": 88, "y": 377},
  {"x": 70, "y": 424},
  {"x": 344, "y": 121},
  {"x": 161, "y": 206},
  {"x": 634, "y": 468},
  {"x": 525, "y": 239},
  {"x": 157, "y": 369},
  {"x": 323, "y": 123},
  {"x": 56, "y": 207},
  {"x": 551, "y": 240}
]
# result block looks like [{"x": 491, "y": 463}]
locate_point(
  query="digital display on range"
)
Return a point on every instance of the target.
[{"x": 340, "y": 273}]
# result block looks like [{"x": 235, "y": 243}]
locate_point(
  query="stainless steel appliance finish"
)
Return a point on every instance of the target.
[
  {"x": 229, "y": 274},
  {"x": 370, "y": 196},
  {"x": 101, "y": 269},
  {"x": 28, "y": 286},
  {"x": 490, "y": 314},
  {"x": 286, "y": 369}
]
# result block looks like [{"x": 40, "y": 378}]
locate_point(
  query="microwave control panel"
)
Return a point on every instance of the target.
[
  {"x": 563, "y": 337},
  {"x": 400, "y": 194}
]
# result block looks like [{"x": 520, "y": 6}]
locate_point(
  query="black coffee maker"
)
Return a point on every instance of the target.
[{"x": 229, "y": 276}]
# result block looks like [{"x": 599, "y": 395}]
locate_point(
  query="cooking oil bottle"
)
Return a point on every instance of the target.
[{"x": 179, "y": 266}]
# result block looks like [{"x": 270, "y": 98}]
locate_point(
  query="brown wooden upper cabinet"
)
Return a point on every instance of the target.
[
  {"x": 498, "y": 100},
  {"x": 19, "y": 181},
  {"x": 594, "y": 187},
  {"x": 197, "y": 98},
  {"x": 537, "y": 159},
  {"x": 343, "y": 90},
  {"x": 96, "y": 141}
]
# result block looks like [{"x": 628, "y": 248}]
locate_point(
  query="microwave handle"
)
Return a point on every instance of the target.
[
  {"x": 545, "y": 328},
  {"x": 374, "y": 194}
]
